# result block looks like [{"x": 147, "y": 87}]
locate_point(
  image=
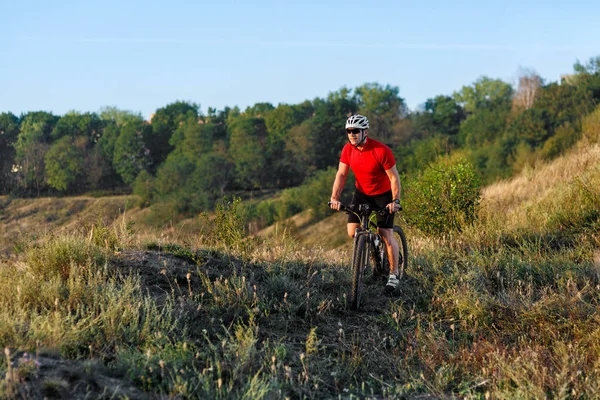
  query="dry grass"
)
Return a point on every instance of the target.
[
  {"x": 26, "y": 219},
  {"x": 528, "y": 199},
  {"x": 271, "y": 320},
  {"x": 504, "y": 310}
]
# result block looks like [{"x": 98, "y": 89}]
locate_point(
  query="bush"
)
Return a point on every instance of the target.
[
  {"x": 591, "y": 126},
  {"x": 228, "y": 228},
  {"x": 57, "y": 255},
  {"x": 444, "y": 198},
  {"x": 565, "y": 137},
  {"x": 313, "y": 194},
  {"x": 143, "y": 187}
]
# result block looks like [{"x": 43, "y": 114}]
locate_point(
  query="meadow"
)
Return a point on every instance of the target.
[{"x": 98, "y": 307}]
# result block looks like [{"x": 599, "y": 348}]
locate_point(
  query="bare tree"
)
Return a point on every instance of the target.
[{"x": 529, "y": 85}]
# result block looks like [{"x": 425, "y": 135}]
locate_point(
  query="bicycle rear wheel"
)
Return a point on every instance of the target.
[
  {"x": 360, "y": 260},
  {"x": 402, "y": 252}
]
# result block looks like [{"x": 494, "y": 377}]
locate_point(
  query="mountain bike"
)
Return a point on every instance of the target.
[{"x": 369, "y": 252}]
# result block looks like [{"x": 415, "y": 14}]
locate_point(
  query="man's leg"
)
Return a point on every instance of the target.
[
  {"x": 391, "y": 245},
  {"x": 352, "y": 229}
]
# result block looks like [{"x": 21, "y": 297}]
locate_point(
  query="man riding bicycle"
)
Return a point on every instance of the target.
[{"x": 377, "y": 184}]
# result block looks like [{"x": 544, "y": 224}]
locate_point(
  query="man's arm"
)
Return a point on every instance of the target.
[
  {"x": 392, "y": 174},
  {"x": 338, "y": 185}
]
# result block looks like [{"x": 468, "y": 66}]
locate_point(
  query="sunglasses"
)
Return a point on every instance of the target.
[{"x": 355, "y": 131}]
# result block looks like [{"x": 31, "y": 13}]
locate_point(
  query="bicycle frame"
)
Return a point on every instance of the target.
[{"x": 365, "y": 212}]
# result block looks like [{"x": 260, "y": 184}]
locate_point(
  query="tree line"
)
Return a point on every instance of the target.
[{"x": 189, "y": 159}]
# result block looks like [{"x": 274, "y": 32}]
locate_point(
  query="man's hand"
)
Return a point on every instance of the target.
[
  {"x": 393, "y": 207},
  {"x": 335, "y": 204}
]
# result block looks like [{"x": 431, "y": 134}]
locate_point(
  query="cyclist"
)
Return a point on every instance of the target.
[{"x": 377, "y": 184}]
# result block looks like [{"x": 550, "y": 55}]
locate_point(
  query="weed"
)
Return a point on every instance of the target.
[{"x": 228, "y": 228}]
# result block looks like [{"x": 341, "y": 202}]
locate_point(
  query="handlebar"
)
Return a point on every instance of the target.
[{"x": 363, "y": 209}]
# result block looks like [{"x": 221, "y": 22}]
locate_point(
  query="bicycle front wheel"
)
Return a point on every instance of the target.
[{"x": 360, "y": 260}]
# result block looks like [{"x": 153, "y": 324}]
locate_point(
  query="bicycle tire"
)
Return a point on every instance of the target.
[
  {"x": 402, "y": 252},
  {"x": 360, "y": 259}
]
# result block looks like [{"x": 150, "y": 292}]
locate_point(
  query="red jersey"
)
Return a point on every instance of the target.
[{"x": 369, "y": 166}]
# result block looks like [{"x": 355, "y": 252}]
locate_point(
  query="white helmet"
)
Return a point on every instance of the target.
[{"x": 357, "y": 121}]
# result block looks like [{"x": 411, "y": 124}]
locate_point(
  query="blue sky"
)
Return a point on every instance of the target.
[{"x": 142, "y": 55}]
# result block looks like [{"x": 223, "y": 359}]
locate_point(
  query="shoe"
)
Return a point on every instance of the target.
[{"x": 392, "y": 283}]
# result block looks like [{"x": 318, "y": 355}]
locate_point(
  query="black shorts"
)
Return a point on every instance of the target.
[{"x": 378, "y": 200}]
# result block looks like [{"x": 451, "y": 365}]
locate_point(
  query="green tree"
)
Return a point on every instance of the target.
[
  {"x": 419, "y": 154},
  {"x": 531, "y": 126},
  {"x": 446, "y": 115},
  {"x": 485, "y": 93},
  {"x": 130, "y": 156},
  {"x": 64, "y": 163},
  {"x": 563, "y": 103},
  {"x": 327, "y": 127},
  {"x": 259, "y": 110},
  {"x": 280, "y": 122},
  {"x": 173, "y": 175},
  {"x": 193, "y": 137},
  {"x": 164, "y": 123},
  {"x": 31, "y": 146},
  {"x": 117, "y": 116},
  {"x": 74, "y": 124},
  {"x": 587, "y": 77},
  {"x": 84, "y": 131},
  {"x": 102, "y": 156},
  {"x": 487, "y": 103},
  {"x": 557, "y": 110},
  {"x": 193, "y": 176},
  {"x": 214, "y": 172},
  {"x": 143, "y": 187},
  {"x": 9, "y": 131},
  {"x": 300, "y": 153},
  {"x": 104, "y": 174},
  {"x": 247, "y": 149},
  {"x": 383, "y": 106},
  {"x": 483, "y": 127},
  {"x": 218, "y": 119}
]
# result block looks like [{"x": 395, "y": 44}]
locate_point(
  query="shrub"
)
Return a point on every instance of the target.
[
  {"x": 565, "y": 137},
  {"x": 143, "y": 187},
  {"x": 110, "y": 237},
  {"x": 56, "y": 256},
  {"x": 228, "y": 229},
  {"x": 316, "y": 193},
  {"x": 591, "y": 126},
  {"x": 313, "y": 194},
  {"x": 444, "y": 198}
]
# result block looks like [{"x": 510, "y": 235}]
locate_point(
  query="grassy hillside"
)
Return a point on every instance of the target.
[
  {"x": 507, "y": 309},
  {"x": 534, "y": 199}
]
